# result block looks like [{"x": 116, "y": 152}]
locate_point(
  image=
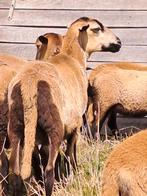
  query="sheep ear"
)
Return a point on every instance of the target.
[
  {"x": 57, "y": 51},
  {"x": 43, "y": 39},
  {"x": 84, "y": 28},
  {"x": 82, "y": 38}
]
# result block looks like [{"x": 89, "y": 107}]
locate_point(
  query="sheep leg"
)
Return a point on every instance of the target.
[
  {"x": 4, "y": 173},
  {"x": 15, "y": 166},
  {"x": 50, "y": 122},
  {"x": 16, "y": 136},
  {"x": 58, "y": 167},
  {"x": 87, "y": 130},
  {"x": 70, "y": 157},
  {"x": 4, "y": 166},
  {"x": 16, "y": 151},
  {"x": 54, "y": 144},
  {"x": 43, "y": 159},
  {"x": 75, "y": 155},
  {"x": 44, "y": 154},
  {"x": 71, "y": 151},
  {"x": 112, "y": 123},
  {"x": 37, "y": 164},
  {"x": 95, "y": 124},
  {"x": 102, "y": 136}
]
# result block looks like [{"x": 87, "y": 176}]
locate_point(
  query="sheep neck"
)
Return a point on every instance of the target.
[{"x": 72, "y": 48}]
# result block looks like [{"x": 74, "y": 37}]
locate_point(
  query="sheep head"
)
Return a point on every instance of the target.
[
  {"x": 48, "y": 45},
  {"x": 94, "y": 36}
]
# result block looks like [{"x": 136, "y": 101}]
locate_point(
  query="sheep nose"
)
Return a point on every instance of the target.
[{"x": 114, "y": 47}]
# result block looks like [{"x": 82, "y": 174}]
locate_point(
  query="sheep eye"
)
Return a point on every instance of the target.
[{"x": 96, "y": 30}]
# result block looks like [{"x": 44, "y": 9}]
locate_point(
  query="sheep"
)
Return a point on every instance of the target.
[
  {"x": 11, "y": 65},
  {"x": 124, "y": 172},
  {"x": 111, "y": 90},
  {"x": 7, "y": 73},
  {"x": 47, "y": 45},
  {"x": 50, "y": 110}
]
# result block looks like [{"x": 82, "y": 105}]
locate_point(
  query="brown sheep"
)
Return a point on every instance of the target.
[
  {"x": 111, "y": 91},
  {"x": 125, "y": 168},
  {"x": 6, "y": 74},
  {"x": 53, "y": 108},
  {"x": 47, "y": 45}
]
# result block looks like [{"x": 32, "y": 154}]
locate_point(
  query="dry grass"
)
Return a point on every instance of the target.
[
  {"x": 91, "y": 157},
  {"x": 86, "y": 181}
]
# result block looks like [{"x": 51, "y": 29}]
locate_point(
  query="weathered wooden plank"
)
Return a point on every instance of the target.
[
  {"x": 29, "y": 34},
  {"x": 3, "y": 16},
  {"x": 127, "y": 53},
  {"x": 73, "y": 4},
  {"x": 22, "y": 50},
  {"x": 5, "y": 4},
  {"x": 64, "y": 17},
  {"x": 25, "y": 34}
]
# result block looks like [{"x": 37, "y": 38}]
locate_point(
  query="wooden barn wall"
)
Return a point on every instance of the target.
[{"x": 31, "y": 18}]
